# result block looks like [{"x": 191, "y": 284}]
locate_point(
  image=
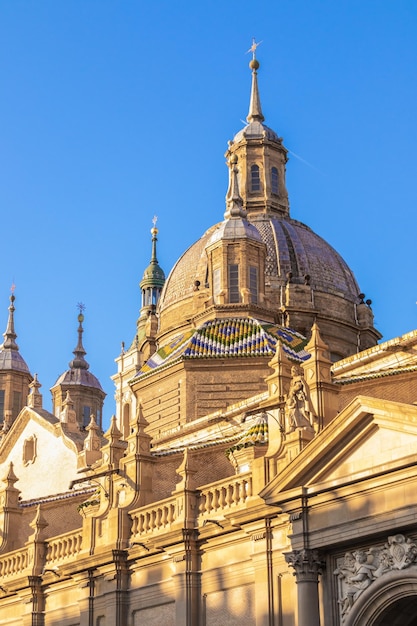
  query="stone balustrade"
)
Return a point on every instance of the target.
[
  {"x": 154, "y": 517},
  {"x": 216, "y": 499},
  {"x": 64, "y": 547},
  {"x": 14, "y": 563},
  {"x": 225, "y": 494}
]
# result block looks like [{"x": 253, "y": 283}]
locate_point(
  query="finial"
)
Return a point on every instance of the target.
[
  {"x": 253, "y": 50},
  {"x": 255, "y": 110},
  {"x": 154, "y": 232},
  {"x": 35, "y": 397},
  {"x": 10, "y": 335},
  {"x": 234, "y": 202},
  {"x": 79, "y": 362}
]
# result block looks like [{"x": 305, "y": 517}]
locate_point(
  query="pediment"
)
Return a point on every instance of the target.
[
  {"x": 42, "y": 419},
  {"x": 369, "y": 437}
]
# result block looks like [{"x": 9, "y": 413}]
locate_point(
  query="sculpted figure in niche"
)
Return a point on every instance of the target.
[{"x": 298, "y": 409}]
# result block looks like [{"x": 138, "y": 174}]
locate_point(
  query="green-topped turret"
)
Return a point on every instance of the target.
[{"x": 153, "y": 277}]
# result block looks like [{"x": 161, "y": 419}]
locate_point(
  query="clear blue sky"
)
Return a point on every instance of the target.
[{"x": 113, "y": 111}]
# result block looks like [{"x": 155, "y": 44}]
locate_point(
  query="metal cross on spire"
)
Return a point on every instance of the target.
[
  {"x": 80, "y": 307},
  {"x": 154, "y": 220},
  {"x": 253, "y": 47}
]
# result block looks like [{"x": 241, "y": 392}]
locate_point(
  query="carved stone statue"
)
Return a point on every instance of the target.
[{"x": 299, "y": 412}]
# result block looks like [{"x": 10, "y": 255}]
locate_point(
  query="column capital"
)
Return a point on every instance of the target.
[{"x": 307, "y": 564}]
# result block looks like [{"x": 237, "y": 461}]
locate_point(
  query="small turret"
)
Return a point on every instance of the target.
[
  {"x": 151, "y": 287},
  {"x": 87, "y": 395},
  {"x": 15, "y": 376}
]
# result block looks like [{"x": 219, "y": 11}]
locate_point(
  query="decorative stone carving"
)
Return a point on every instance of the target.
[
  {"x": 299, "y": 413},
  {"x": 357, "y": 570},
  {"x": 306, "y": 563}
]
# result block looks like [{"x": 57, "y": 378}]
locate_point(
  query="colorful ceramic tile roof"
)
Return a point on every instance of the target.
[
  {"x": 257, "y": 434},
  {"x": 230, "y": 337}
]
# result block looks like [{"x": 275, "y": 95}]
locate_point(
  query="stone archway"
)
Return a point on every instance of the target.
[
  {"x": 389, "y": 601},
  {"x": 403, "y": 612}
]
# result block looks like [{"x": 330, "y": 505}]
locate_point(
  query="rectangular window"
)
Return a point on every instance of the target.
[
  {"x": 1, "y": 405},
  {"x": 253, "y": 284},
  {"x": 274, "y": 180},
  {"x": 86, "y": 415},
  {"x": 216, "y": 285},
  {"x": 234, "y": 294},
  {"x": 17, "y": 403}
]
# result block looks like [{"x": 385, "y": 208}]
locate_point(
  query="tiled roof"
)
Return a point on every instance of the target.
[
  {"x": 256, "y": 435},
  {"x": 228, "y": 338}
]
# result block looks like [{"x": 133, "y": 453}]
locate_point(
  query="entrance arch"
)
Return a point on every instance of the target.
[
  {"x": 403, "y": 612},
  {"x": 389, "y": 601}
]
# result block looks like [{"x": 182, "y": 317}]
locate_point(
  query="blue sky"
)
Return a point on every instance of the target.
[{"x": 113, "y": 111}]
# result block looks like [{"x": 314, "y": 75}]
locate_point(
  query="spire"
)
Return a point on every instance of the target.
[
  {"x": 234, "y": 202},
  {"x": 79, "y": 362},
  {"x": 255, "y": 110},
  {"x": 10, "y": 335},
  {"x": 154, "y": 232},
  {"x": 35, "y": 397},
  {"x": 153, "y": 277}
]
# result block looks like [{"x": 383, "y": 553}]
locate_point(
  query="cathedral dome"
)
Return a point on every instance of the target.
[
  {"x": 291, "y": 248},
  {"x": 261, "y": 263}
]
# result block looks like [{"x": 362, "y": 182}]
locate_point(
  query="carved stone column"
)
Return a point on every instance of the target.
[{"x": 307, "y": 565}]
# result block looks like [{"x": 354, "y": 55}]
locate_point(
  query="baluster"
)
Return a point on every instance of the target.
[
  {"x": 203, "y": 502},
  {"x": 223, "y": 501},
  {"x": 229, "y": 496},
  {"x": 235, "y": 492},
  {"x": 215, "y": 502},
  {"x": 171, "y": 516},
  {"x": 209, "y": 506},
  {"x": 158, "y": 518}
]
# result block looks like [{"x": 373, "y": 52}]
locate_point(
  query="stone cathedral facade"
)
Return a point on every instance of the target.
[{"x": 261, "y": 468}]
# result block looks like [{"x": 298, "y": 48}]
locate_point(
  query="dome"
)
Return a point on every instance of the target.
[
  {"x": 235, "y": 229},
  {"x": 291, "y": 247},
  {"x": 260, "y": 262},
  {"x": 256, "y": 130},
  {"x": 79, "y": 377},
  {"x": 12, "y": 360}
]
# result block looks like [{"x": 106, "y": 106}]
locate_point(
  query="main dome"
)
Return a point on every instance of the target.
[
  {"x": 292, "y": 248},
  {"x": 261, "y": 263}
]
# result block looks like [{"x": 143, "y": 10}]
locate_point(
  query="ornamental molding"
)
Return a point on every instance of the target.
[
  {"x": 307, "y": 564},
  {"x": 357, "y": 570},
  {"x": 258, "y": 536}
]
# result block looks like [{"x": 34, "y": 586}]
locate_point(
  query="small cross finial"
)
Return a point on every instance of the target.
[
  {"x": 253, "y": 47},
  {"x": 80, "y": 307},
  {"x": 154, "y": 220},
  {"x": 13, "y": 287}
]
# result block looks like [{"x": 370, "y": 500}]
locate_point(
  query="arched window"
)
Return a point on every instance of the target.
[
  {"x": 274, "y": 180},
  {"x": 255, "y": 179}
]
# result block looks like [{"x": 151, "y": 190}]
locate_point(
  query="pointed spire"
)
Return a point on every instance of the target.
[
  {"x": 154, "y": 275},
  {"x": 234, "y": 202},
  {"x": 255, "y": 110},
  {"x": 10, "y": 335},
  {"x": 79, "y": 362},
  {"x": 35, "y": 397},
  {"x": 154, "y": 232}
]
